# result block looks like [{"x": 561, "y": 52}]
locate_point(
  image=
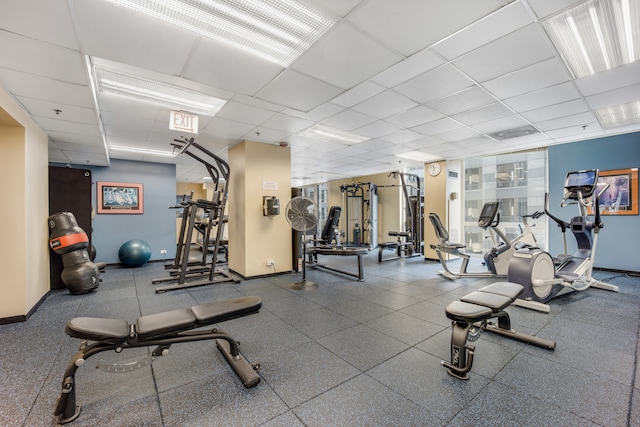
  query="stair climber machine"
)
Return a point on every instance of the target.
[{"x": 545, "y": 277}]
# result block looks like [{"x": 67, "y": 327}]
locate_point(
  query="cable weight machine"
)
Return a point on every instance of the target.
[{"x": 360, "y": 201}]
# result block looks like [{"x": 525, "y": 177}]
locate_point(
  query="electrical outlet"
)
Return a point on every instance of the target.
[
  {"x": 270, "y": 263},
  {"x": 163, "y": 252}
]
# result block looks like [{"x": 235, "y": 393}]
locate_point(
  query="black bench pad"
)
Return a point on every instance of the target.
[
  {"x": 493, "y": 301},
  {"x": 459, "y": 311},
  {"x": 112, "y": 331},
  {"x": 116, "y": 331},
  {"x": 337, "y": 251},
  {"x": 507, "y": 289},
  {"x": 165, "y": 323}
]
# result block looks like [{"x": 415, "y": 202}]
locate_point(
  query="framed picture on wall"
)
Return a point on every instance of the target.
[
  {"x": 120, "y": 198},
  {"x": 621, "y": 198}
]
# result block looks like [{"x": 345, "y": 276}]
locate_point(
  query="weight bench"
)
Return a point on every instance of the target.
[
  {"x": 161, "y": 330},
  {"x": 404, "y": 249},
  {"x": 469, "y": 319},
  {"x": 314, "y": 251}
]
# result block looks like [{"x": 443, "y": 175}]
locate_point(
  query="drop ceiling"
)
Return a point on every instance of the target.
[{"x": 447, "y": 79}]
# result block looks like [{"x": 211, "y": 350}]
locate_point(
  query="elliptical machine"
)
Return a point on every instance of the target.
[
  {"x": 497, "y": 258},
  {"x": 545, "y": 277}
]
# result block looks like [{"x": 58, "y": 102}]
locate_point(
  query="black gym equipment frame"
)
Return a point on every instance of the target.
[
  {"x": 206, "y": 273},
  {"x": 409, "y": 243}
]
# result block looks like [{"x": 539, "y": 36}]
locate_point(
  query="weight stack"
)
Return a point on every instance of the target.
[{"x": 68, "y": 240}]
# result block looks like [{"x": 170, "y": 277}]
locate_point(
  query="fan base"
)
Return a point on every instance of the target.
[{"x": 304, "y": 285}]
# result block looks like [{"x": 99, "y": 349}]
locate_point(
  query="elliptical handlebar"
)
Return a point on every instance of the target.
[{"x": 563, "y": 225}]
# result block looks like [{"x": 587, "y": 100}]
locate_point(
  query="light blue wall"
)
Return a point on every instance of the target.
[
  {"x": 618, "y": 241},
  {"x": 156, "y": 226}
]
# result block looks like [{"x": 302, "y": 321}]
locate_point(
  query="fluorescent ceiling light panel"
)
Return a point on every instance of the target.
[
  {"x": 145, "y": 151},
  {"x": 619, "y": 115},
  {"x": 142, "y": 89},
  {"x": 418, "y": 156},
  {"x": 276, "y": 30},
  {"x": 597, "y": 35},
  {"x": 329, "y": 134}
]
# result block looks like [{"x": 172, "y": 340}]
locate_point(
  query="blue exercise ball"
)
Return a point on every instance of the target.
[{"x": 134, "y": 253}]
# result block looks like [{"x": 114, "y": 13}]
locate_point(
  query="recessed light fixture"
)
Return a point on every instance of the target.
[
  {"x": 145, "y": 151},
  {"x": 419, "y": 156},
  {"x": 147, "y": 90},
  {"x": 279, "y": 31},
  {"x": 597, "y": 35},
  {"x": 330, "y": 134},
  {"x": 619, "y": 115}
]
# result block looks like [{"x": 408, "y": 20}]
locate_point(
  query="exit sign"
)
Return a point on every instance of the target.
[{"x": 183, "y": 122}]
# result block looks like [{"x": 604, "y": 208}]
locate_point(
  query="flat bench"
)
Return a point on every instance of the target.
[
  {"x": 469, "y": 318},
  {"x": 312, "y": 252},
  {"x": 403, "y": 249},
  {"x": 161, "y": 330}
]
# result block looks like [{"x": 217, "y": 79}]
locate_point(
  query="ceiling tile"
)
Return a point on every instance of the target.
[
  {"x": 438, "y": 126},
  {"x": 286, "y": 123},
  {"x": 464, "y": 100},
  {"x": 318, "y": 114},
  {"x": 434, "y": 84},
  {"x": 298, "y": 91},
  {"x": 463, "y": 133},
  {"x": 581, "y": 119},
  {"x": 506, "y": 54},
  {"x": 410, "y": 67},
  {"x": 498, "y": 24},
  {"x": 483, "y": 114},
  {"x": 37, "y": 107},
  {"x": 222, "y": 66},
  {"x": 427, "y": 23},
  {"x": 31, "y": 86},
  {"x": 414, "y": 117},
  {"x": 544, "y": 97},
  {"x": 158, "y": 46},
  {"x": 403, "y": 136},
  {"x": 558, "y": 110},
  {"x": 49, "y": 21},
  {"x": 264, "y": 134},
  {"x": 224, "y": 129},
  {"x": 616, "y": 78},
  {"x": 357, "y": 94},
  {"x": 349, "y": 120},
  {"x": 541, "y": 75},
  {"x": 544, "y": 8},
  {"x": 244, "y": 113},
  {"x": 377, "y": 129},
  {"x": 359, "y": 57},
  {"x": 340, "y": 7},
  {"x": 385, "y": 104},
  {"x": 615, "y": 97},
  {"x": 50, "y": 61}
]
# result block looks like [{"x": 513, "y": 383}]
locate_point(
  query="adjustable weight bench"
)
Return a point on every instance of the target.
[
  {"x": 161, "y": 330},
  {"x": 469, "y": 318}
]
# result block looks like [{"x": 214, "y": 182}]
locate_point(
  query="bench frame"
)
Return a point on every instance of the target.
[
  {"x": 479, "y": 312},
  {"x": 66, "y": 408}
]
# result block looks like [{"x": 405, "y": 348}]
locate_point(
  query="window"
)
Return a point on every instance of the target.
[
  {"x": 473, "y": 179},
  {"x": 511, "y": 174},
  {"x": 518, "y": 181}
]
